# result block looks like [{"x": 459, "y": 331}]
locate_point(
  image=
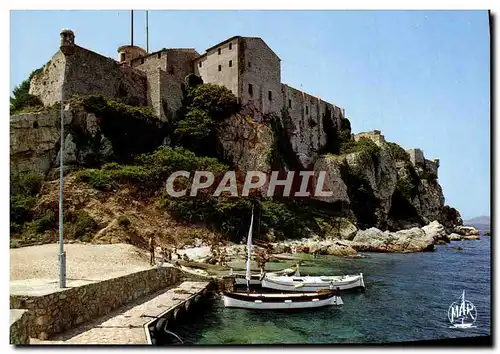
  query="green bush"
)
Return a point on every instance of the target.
[
  {"x": 97, "y": 179},
  {"x": 150, "y": 171},
  {"x": 46, "y": 222},
  {"x": 204, "y": 106},
  {"x": 196, "y": 124},
  {"x": 84, "y": 224},
  {"x": 405, "y": 187},
  {"x": 20, "y": 208},
  {"x": 22, "y": 100},
  {"x": 111, "y": 166},
  {"x": 363, "y": 144},
  {"x": 27, "y": 184},
  {"x": 193, "y": 80},
  {"x": 15, "y": 243},
  {"x": 24, "y": 189},
  {"x": 397, "y": 152},
  {"x": 216, "y": 100}
]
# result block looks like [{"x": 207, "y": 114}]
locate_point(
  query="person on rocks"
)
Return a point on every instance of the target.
[
  {"x": 152, "y": 246},
  {"x": 165, "y": 253}
]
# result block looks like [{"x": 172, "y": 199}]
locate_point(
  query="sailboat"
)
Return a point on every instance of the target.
[{"x": 276, "y": 301}]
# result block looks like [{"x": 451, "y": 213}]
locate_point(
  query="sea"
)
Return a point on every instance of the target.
[{"x": 407, "y": 298}]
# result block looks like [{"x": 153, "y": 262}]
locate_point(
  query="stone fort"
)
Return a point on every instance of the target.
[{"x": 245, "y": 65}]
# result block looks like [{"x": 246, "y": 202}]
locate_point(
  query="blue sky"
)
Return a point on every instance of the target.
[{"x": 421, "y": 77}]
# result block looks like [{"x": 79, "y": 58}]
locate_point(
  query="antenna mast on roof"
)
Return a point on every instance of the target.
[
  {"x": 132, "y": 27},
  {"x": 147, "y": 33}
]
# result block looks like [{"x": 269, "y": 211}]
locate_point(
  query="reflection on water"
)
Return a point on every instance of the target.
[{"x": 407, "y": 298}]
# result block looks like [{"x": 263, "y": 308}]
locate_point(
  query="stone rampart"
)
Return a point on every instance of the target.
[
  {"x": 19, "y": 327},
  {"x": 55, "y": 311}
]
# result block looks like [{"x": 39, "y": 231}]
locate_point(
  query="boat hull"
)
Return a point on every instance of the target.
[
  {"x": 284, "y": 302},
  {"x": 312, "y": 284},
  {"x": 255, "y": 279},
  {"x": 243, "y": 281}
]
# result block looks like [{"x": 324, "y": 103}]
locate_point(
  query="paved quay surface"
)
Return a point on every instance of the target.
[
  {"x": 85, "y": 262},
  {"x": 126, "y": 325}
]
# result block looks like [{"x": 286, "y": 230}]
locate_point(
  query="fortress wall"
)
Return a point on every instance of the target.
[
  {"x": 153, "y": 92},
  {"x": 180, "y": 62},
  {"x": 89, "y": 73},
  {"x": 209, "y": 70},
  {"x": 416, "y": 156},
  {"x": 260, "y": 67},
  {"x": 47, "y": 84},
  {"x": 308, "y": 115},
  {"x": 151, "y": 62},
  {"x": 170, "y": 92},
  {"x": 164, "y": 88},
  {"x": 374, "y": 136}
]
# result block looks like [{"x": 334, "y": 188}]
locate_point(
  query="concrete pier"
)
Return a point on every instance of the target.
[{"x": 133, "y": 323}]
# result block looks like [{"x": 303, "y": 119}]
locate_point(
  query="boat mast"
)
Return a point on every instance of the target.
[{"x": 249, "y": 252}]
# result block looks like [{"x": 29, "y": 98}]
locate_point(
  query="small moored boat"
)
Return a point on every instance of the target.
[
  {"x": 256, "y": 279},
  {"x": 281, "y": 301},
  {"x": 250, "y": 300},
  {"x": 312, "y": 283}
]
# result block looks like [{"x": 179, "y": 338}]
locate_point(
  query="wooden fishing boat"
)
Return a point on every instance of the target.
[
  {"x": 281, "y": 301},
  {"x": 256, "y": 279},
  {"x": 312, "y": 283},
  {"x": 250, "y": 300}
]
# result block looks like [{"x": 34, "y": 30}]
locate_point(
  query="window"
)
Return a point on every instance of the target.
[
  {"x": 199, "y": 64},
  {"x": 307, "y": 109},
  {"x": 250, "y": 89},
  {"x": 289, "y": 103},
  {"x": 249, "y": 64},
  {"x": 270, "y": 95},
  {"x": 159, "y": 55},
  {"x": 122, "y": 56},
  {"x": 218, "y": 51},
  {"x": 230, "y": 46},
  {"x": 220, "y": 68},
  {"x": 230, "y": 63}
]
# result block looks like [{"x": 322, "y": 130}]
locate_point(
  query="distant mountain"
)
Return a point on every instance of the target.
[
  {"x": 482, "y": 223},
  {"x": 482, "y": 220}
]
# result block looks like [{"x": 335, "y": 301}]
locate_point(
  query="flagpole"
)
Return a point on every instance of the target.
[
  {"x": 131, "y": 27},
  {"x": 147, "y": 33}
]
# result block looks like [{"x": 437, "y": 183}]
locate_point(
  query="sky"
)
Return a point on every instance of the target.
[{"x": 421, "y": 77}]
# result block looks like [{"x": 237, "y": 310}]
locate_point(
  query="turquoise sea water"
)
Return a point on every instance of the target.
[{"x": 407, "y": 298}]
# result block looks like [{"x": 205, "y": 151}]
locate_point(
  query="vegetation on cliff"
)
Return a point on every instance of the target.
[
  {"x": 141, "y": 162},
  {"x": 225, "y": 214},
  {"x": 204, "y": 106},
  {"x": 22, "y": 100}
]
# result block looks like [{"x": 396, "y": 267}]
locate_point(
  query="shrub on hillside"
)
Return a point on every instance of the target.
[
  {"x": 22, "y": 100},
  {"x": 24, "y": 189},
  {"x": 397, "y": 152}
]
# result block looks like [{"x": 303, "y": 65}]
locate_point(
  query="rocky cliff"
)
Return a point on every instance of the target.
[
  {"x": 380, "y": 184},
  {"x": 375, "y": 184}
]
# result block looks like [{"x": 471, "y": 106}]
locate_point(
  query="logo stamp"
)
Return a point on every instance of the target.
[{"x": 462, "y": 313}]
